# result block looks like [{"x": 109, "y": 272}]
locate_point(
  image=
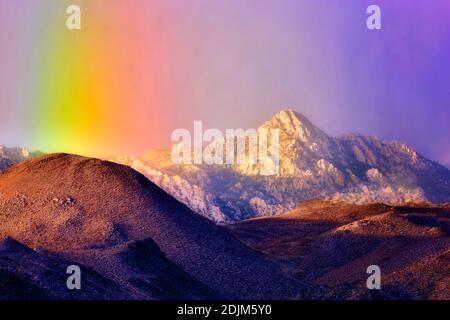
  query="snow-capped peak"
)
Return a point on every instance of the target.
[
  {"x": 312, "y": 165},
  {"x": 295, "y": 126}
]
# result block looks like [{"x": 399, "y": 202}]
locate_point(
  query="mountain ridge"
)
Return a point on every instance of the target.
[
  {"x": 330, "y": 244},
  {"x": 97, "y": 212},
  {"x": 313, "y": 165}
]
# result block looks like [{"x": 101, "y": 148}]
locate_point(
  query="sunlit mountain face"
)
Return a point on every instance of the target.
[{"x": 312, "y": 165}]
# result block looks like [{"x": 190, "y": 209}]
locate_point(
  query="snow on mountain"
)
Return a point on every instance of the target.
[
  {"x": 190, "y": 193},
  {"x": 10, "y": 156},
  {"x": 355, "y": 168}
]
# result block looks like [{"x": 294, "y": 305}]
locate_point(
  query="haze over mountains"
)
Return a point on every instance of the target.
[{"x": 354, "y": 168}]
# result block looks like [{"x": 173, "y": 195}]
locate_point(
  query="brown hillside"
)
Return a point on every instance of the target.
[
  {"x": 85, "y": 208},
  {"x": 329, "y": 245}
]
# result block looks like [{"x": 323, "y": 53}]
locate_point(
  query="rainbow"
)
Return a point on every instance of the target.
[
  {"x": 92, "y": 88},
  {"x": 137, "y": 70}
]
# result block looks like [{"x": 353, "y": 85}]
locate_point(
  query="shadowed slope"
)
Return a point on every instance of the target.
[
  {"x": 329, "y": 245},
  {"x": 5, "y": 163},
  {"x": 27, "y": 274}
]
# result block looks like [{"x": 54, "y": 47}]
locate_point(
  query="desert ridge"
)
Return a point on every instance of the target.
[{"x": 117, "y": 220}]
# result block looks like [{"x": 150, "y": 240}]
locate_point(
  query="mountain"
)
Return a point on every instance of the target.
[
  {"x": 330, "y": 244},
  {"x": 10, "y": 156},
  {"x": 125, "y": 231},
  {"x": 312, "y": 165}
]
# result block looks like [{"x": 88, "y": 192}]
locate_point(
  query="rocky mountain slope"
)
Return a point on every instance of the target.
[
  {"x": 355, "y": 168},
  {"x": 123, "y": 231},
  {"x": 328, "y": 246}
]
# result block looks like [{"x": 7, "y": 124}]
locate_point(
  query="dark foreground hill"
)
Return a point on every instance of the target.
[
  {"x": 126, "y": 231},
  {"x": 328, "y": 246}
]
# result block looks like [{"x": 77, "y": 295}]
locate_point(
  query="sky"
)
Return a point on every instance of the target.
[{"x": 139, "y": 69}]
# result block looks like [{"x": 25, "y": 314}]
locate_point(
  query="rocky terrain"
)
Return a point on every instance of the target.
[
  {"x": 140, "y": 227},
  {"x": 131, "y": 239},
  {"x": 354, "y": 168},
  {"x": 328, "y": 245}
]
